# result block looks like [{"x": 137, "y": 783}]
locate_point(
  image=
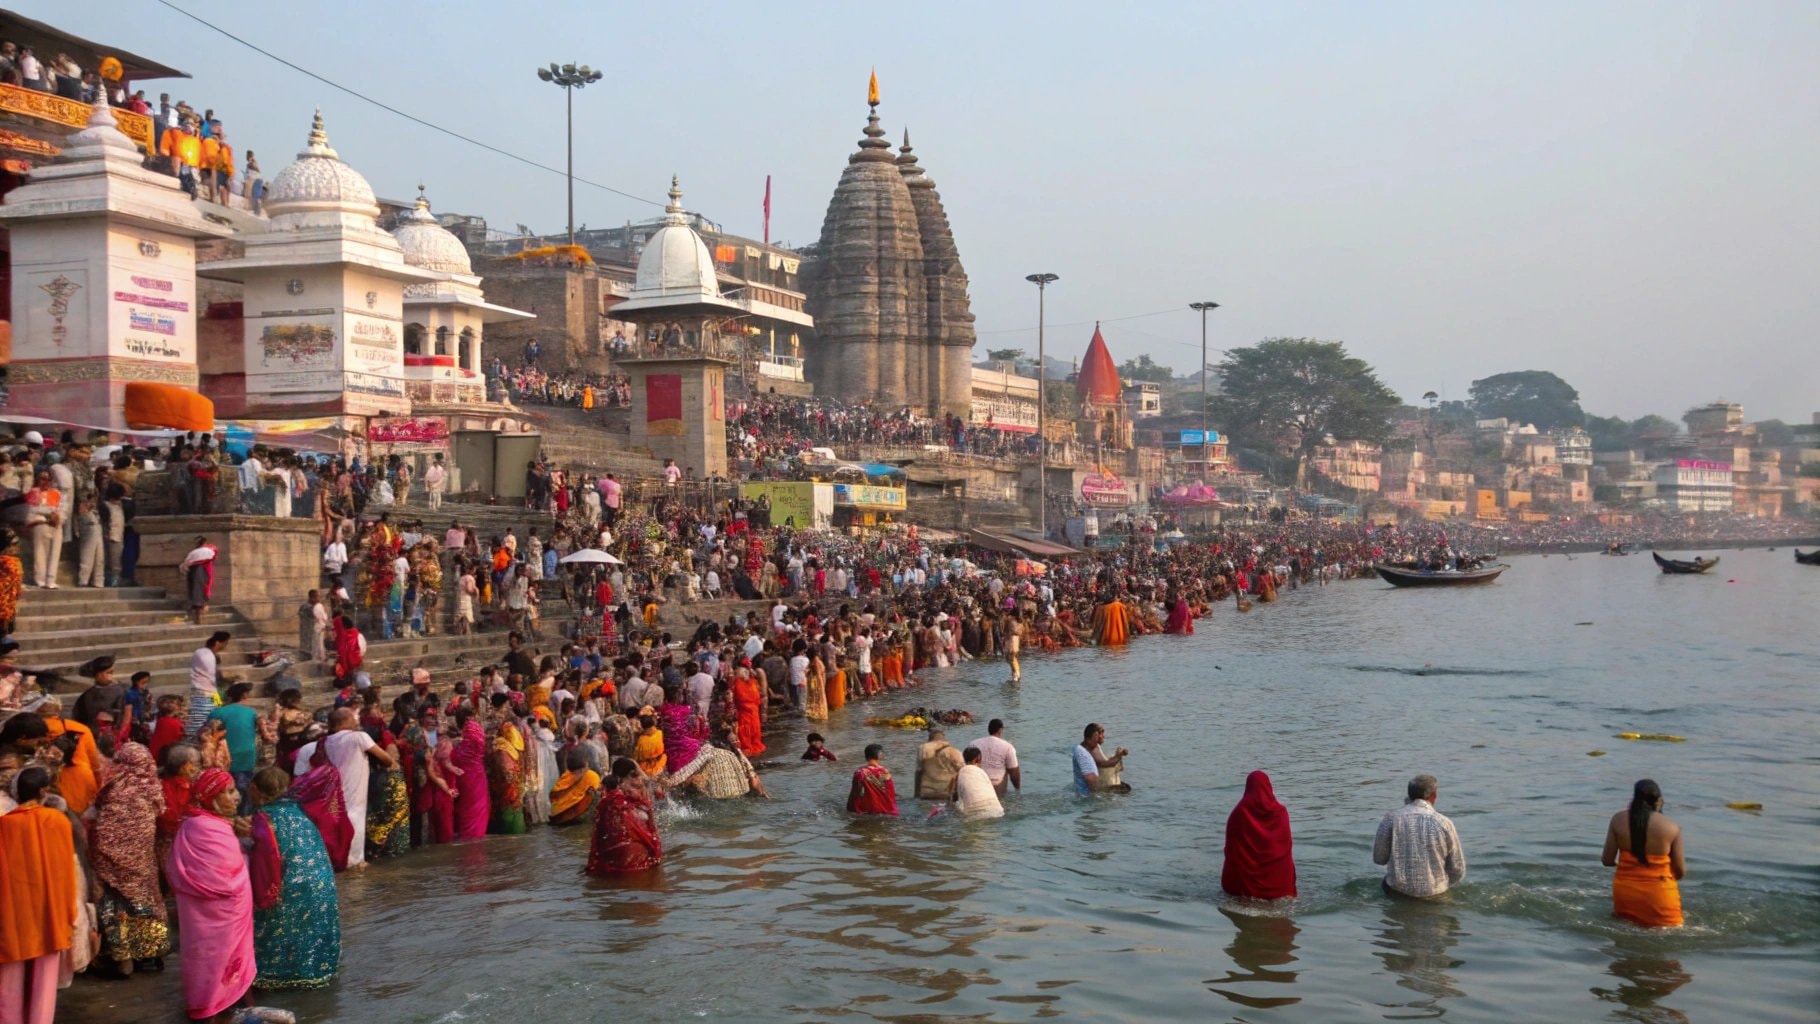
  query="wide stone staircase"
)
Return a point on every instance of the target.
[{"x": 147, "y": 630}]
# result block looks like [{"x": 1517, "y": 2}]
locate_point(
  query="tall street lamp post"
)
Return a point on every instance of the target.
[
  {"x": 1042, "y": 282},
  {"x": 1204, "y": 308},
  {"x": 571, "y": 78}
]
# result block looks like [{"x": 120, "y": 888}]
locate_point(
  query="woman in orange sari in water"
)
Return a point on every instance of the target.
[
  {"x": 1645, "y": 847},
  {"x": 1111, "y": 623},
  {"x": 749, "y": 706}
]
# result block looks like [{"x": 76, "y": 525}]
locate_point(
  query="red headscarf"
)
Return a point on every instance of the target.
[
  {"x": 1258, "y": 860},
  {"x": 210, "y": 784}
]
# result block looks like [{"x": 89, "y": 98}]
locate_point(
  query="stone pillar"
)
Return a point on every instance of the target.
[
  {"x": 265, "y": 565},
  {"x": 679, "y": 411}
]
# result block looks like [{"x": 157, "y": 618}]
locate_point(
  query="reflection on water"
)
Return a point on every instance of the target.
[
  {"x": 1261, "y": 943},
  {"x": 1415, "y": 944},
  {"x": 1644, "y": 980}
]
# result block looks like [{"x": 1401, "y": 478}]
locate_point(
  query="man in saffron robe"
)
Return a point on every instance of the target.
[
  {"x": 1259, "y": 860},
  {"x": 37, "y": 901},
  {"x": 1111, "y": 623}
]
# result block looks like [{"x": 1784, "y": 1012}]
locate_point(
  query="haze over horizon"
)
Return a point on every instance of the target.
[{"x": 1620, "y": 193}]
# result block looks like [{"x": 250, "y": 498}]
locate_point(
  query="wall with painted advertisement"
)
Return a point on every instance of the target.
[
  {"x": 806, "y": 503},
  {"x": 151, "y": 298}
]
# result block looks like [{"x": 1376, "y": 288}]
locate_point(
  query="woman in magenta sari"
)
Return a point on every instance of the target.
[
  {"x": 444, "y": 780},
  {"x": 214, "y": 900},
  {"x": 684, "y": 730},
  {"x": 625, "y": 825},
  {"x": 318, "y": 791},
  {"x": 473, "y": 806}
]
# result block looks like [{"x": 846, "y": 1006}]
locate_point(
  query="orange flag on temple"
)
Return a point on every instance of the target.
[{"x": 872, "y": 90}]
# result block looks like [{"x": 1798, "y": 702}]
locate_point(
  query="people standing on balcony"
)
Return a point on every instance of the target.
[
  {"x": 221, "y": 169},
  {"x": 31, "y": 71},
  {"x": 9, "y": 62},
  {"x": 252, "y": 184}
]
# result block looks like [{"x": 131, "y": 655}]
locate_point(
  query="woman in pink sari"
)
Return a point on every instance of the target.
[
  {"x": 444, "y": 783},
  {"x": 473, "y": 805},
  {"x": 1181, "y": 616},
  {"x": 214, "y": 900}
]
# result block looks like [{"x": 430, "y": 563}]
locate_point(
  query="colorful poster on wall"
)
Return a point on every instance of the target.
[{"x": 663, "y": 404}]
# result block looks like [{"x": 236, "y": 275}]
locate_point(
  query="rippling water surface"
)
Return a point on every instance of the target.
[{"x": 1110, "y": 909}]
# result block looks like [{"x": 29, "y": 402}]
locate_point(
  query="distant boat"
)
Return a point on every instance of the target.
[
  {"x": 1405, "y": 577},
  {"x": 1811, "y": 558},
  {"x": 1681, "y": 567},
  {"x": 1617, "y": 549}
]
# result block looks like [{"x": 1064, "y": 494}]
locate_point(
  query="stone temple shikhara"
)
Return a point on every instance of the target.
[{"x": 889, "y": 296}]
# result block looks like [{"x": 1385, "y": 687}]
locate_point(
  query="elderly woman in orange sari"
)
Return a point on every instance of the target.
[
  {"x": 625, "y": 826},
  {"x": 76, "y": 781},
  {"x": 37, "y": 900},
  {"x": 576, "y": 792}
]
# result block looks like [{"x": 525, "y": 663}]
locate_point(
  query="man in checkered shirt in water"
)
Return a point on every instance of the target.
[{"x": 1419, "y": 845}]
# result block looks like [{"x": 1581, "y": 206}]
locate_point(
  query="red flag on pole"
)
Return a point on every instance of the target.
[{"x": 767, "y": 209}]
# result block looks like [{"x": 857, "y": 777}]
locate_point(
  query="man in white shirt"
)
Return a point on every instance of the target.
[
  {"x": 252, "y": 480},
  {"x": 672, "y": 474},
  {"x": 754, "y": 646},
  {"x": 348, "y": 749},
  {"x": 799, "y": 675},
  {"x": 436, "y": 481},
  {"x": 778, "y": 611},
  {"x": 863, "y": 644},
  {"x": 701, "y": 690},
  {"x": 972, "y": 792},
  {"x": 1418, "y": 845},
  {"x": 205, "y": 672},
  {"x": 632, "y": 692},
  {"x": 998, "y": 758}
]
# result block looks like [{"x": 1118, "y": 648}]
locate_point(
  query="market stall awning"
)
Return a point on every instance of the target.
[{"x": 1009, "y": 544}]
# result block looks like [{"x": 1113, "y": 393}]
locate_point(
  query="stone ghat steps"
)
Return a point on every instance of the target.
[
  {"x": 142, "y": 627},
  {"x": 72, "y": 647}
]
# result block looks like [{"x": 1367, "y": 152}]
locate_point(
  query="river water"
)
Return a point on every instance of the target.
[{"x": 1110, "y": 909}]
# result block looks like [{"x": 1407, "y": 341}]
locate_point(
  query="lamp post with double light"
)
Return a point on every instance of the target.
[
  {"x": 1204, "y": 308},
  {"x": 571, "y": 77},
  {"x": 1042, "y": 282}
]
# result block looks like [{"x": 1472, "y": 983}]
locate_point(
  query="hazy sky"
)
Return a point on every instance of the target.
[{"x": 1624, "y": 193}]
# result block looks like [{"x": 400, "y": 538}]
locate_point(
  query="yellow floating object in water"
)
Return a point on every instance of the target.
[
  {"x": 1656, "y": 737},
  {"x": 1595, "y": 753},
  {"x": 1745, "y": 805}
]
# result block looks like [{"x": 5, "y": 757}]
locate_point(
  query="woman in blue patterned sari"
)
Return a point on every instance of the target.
[{"x": 296, "y": 916}]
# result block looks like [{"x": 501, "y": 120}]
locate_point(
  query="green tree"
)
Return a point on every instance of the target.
[
  {"x": 1004, "y": 355},
  {"x": 1653, "y": 428},
  {"x": 1609, "y": 433},
  {"x": 1528, "y": 396},
  {"x": 1060, "y": 400},
  {"x": 1144, "y": 368},
  {"x": 1774, "y": 433},
  {"x": 1286, "y": 396}
]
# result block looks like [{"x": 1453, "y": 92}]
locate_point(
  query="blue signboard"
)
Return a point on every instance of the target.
[{"x": 1194, "y": 437}]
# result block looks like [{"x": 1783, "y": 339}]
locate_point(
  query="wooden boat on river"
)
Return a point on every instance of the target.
[
  {"x": 1811, "y": 558},
  {"x": 1405, "y": 576},
  {"x": 1684, "y": 567}
]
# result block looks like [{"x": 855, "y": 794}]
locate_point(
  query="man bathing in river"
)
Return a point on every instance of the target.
[
  {"x": 1419, "y": 846},
  {"x": 1094, "y": 772}
]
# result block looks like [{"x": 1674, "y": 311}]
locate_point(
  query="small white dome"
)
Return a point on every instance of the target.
[
  {"x": 319, "y": 182},
  {"x": 429, "y": 245},
  {"x": 675, "y": 260}
]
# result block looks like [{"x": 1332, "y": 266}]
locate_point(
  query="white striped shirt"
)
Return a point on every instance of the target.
[{"x": 1421, "y": 849}]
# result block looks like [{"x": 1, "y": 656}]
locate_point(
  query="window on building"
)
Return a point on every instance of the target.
[
  {"x": 442, "y": 341},
  {"x": 413, "y": 339},
  {"x": 466, "y": 355}
]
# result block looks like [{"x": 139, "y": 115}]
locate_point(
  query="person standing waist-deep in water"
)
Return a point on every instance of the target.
[
  {"x": 1645, "y": 846},
  {"x": 1259, "y": 864}
]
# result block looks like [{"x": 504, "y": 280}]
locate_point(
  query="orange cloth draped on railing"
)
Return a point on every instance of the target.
[{"x": 166, "y": 405}]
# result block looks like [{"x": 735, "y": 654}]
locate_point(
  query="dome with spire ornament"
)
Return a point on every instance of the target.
[
  {"x": 676, "y": 261},
  {"x": 429, "y": 245},
  {"x": 317, "y": 189}
]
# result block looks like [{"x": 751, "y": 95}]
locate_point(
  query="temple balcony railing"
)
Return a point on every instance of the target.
[{"x": 70, "y": 115}]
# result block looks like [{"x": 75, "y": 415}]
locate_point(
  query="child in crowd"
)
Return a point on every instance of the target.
[{"x": 818, "y": 750}]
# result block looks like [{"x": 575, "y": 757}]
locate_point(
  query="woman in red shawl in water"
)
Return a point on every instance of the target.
[
  {"x": 1181, "y": 615},
  {"x": 873, "y": 791},
  {"x": 1258, "y": 860},
  {"x": 318, "y": 791},
  {"x": 625, "y": 825}
]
